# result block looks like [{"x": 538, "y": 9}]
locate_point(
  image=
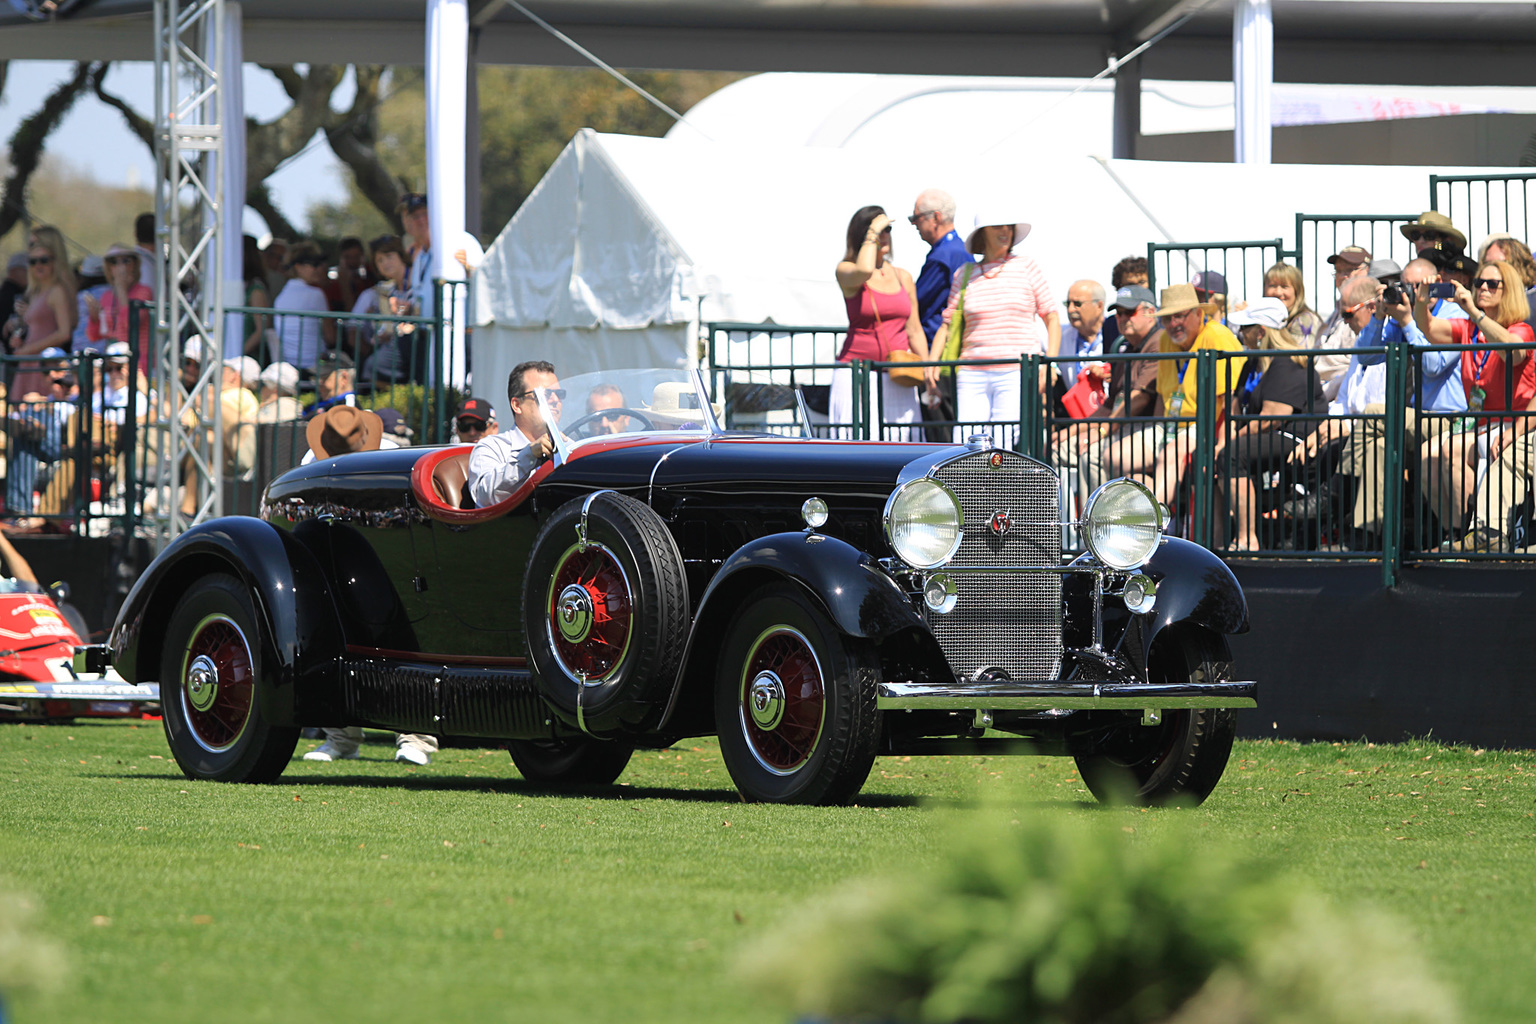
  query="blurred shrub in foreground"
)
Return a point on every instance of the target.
[{"x": 1068, "y": 922}]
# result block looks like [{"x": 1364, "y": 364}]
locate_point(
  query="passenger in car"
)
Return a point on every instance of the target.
[
  {"x": 605, "y": 397},
  {"x": 500, "y": 463}
]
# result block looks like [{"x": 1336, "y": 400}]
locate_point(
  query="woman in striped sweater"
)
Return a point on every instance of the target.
[{"x": 1006, "y": 310}]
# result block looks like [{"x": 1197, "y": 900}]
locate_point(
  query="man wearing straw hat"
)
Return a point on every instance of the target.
[{"x": 1159, "y": 458}]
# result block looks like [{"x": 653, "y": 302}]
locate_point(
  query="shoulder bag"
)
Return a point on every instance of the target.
[
  {"x": 956, "y": 336},
  {"x": 901, "y": 376}
]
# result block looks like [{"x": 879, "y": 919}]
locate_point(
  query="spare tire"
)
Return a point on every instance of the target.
[{"x": 605, "y": 613}]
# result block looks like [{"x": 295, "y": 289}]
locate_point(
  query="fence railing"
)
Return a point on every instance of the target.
[
  {"x": 1480, "y": 204},
  {"x": 71, "y": 441},
  {"x": 1242, "y": 263},
  {"x": 1392, "y": 480}
]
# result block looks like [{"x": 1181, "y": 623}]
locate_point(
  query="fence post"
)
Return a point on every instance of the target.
[
  {"x": 1204, "y": 466},
  {"x": 131, "y": 424},
  {"x": 1393, "y": 423}
]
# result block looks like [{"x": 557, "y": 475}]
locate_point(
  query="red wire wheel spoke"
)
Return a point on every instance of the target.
[
  {"x": 217, "y": 683},
  {"x": 783, "y": 700},
  {"x": 591, "y": 613}
]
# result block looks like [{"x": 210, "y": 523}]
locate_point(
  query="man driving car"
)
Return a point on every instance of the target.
[{"x": 499, "y": 463}]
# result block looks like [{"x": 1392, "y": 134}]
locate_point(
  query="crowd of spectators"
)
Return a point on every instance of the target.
[
  {"x": 1302, "y": 397},
  {"x": 62, "y": 320}
]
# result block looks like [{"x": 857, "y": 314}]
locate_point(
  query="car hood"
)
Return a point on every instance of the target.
[{"x": 798, "y": 462}]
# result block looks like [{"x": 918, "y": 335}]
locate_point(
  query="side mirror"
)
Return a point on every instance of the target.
[{"x": 59, "y": 591}]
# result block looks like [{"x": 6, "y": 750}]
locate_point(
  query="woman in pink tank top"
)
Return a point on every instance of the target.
[
  {"x": 49, "y": 314},
  {"x": 882, "y": 318}
]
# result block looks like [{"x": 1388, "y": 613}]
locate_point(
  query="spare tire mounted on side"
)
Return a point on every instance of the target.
[{"x": 605, "y": 613}]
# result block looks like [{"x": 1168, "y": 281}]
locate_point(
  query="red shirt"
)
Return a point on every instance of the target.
[
  {"x": 1485, "y": 369},
  {"x": 877, "y": 324}
]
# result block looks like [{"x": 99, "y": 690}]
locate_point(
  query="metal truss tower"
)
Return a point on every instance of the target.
[{"x": 187, "y": 438}]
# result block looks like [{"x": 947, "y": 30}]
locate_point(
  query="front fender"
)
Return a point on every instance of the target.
[
  {"x": 301, "y": 630},
  {"x": 1193, "y": 587},
  {"x": 850, "y": 585}
]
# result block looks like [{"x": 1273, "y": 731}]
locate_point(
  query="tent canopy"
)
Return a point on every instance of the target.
[{"x": 628, "y": 233}]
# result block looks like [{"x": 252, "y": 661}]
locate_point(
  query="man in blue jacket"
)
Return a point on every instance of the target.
[{"x": 933, "y": 214}]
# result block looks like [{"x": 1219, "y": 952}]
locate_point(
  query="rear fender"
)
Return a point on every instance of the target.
[
  {"x": 856, "y": 593},
  {"x": 302, "y": 633}
]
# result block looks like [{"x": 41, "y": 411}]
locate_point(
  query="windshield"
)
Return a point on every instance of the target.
[{"x": 612, "y": 403}]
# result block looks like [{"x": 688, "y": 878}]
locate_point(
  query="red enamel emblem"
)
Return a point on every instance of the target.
[
  {"x": 1002, "y": 522},
  {"x": 996, "y": 460}
]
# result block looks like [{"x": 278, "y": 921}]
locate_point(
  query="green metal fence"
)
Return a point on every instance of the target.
[
  {"x": 1242, "y": 263},
  {"x": 1479, "y": 204},
  {"x": 1380, "y": 483}
]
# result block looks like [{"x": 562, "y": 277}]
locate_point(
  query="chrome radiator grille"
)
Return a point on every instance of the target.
[{"x": 1008, "y": 621}]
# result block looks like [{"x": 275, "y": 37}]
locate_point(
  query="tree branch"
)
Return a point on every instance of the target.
[
  {"x": 137, "y": 124},
  {"x": 259, "y": 199},
  {"x": 354, "y": 140},
  {"x": 26, "y": 147}
]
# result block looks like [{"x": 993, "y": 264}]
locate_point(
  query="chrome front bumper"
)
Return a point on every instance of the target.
[{"x": 1014, "y": 696}]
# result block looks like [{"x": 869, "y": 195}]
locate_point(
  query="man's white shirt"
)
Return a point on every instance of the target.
[{"x": 498, "y": 465}]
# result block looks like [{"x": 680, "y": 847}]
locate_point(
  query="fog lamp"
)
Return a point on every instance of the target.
[
  {"x": 939, "y": 593},
  {"x": 1140, "y": 594},
  {"x": 814, "y": 512}
]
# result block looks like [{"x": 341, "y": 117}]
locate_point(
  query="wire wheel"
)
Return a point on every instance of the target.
[
  {"x": 591, "y": 613},
  {"x": 217, "y": 682},
  {"x": 783, "y": 700}
]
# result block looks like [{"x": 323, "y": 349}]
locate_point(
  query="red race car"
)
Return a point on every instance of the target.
[{"x": 44, "y": 674}]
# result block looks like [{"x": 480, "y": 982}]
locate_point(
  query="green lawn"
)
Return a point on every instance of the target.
[{"x": 375, "y": 890}]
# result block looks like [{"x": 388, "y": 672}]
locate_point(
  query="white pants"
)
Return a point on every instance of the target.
[
  {"x": 895, "y": 405},
  {"x": 987, "y": 397}
]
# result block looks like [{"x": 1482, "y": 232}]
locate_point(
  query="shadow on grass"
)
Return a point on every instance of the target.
[{"x": 521, "y": 787}]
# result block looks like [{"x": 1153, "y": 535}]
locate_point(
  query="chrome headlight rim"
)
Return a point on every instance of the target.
[
  {"x": 1158, "y": 511},
  {"x": 890, "y": 506}
]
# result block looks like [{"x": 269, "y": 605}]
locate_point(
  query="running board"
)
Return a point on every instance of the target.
[{"x": 992, "y": 696}]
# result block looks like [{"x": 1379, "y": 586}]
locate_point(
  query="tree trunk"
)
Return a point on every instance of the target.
[{"x": 26, "y": 148}]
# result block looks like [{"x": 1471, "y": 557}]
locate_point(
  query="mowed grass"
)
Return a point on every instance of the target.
[{"x": 376, "y": 890}]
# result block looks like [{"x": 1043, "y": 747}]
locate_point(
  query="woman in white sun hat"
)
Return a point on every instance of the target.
[{"x": 1004, "y": 309}]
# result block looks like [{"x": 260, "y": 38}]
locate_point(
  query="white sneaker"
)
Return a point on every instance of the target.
[
  {"x": 412, "y": 755},
  {"x": 328, "y": 751}
]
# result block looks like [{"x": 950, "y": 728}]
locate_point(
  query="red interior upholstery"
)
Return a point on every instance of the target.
[{"x": 440, "y": 481}]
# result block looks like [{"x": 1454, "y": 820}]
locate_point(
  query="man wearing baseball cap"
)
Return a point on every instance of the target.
[
  {"x": 1189, "y": 326},
  {"x": 1132, "y": 390},
  {"x": 474, "y": 420},
  {"x": 1350, "y": 262}
]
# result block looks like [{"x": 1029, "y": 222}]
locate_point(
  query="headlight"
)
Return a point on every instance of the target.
[
  {"x": 1123, "y": 524},
  {"x": 923, "y": 523}
]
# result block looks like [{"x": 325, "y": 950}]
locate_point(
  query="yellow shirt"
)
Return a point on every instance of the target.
[{"x": 1213, "y": 335}]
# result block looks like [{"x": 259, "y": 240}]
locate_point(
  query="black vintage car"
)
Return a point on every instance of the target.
[{"x": 814, "y": 603}]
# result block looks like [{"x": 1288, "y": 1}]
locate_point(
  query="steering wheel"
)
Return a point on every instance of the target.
[{"x": 573, "y": 431}]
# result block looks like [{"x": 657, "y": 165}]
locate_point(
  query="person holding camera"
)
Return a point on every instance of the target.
[{"x": 1493, "y": 382}]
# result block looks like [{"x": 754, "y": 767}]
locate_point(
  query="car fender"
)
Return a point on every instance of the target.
[
  {"x": 1194, "y": 587},
  {"x": 856, "y": 593},
  {"x": 302, "y": 632}
]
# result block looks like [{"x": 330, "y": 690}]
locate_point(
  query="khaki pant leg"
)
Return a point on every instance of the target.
[
  {"x": 1509, "y": 485},
  {"x": 1364, "y": 457},
  {"x": 416, "y": 740}
]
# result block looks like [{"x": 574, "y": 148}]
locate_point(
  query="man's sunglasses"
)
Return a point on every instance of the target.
[
  {"x": 467, "y": 425},
  {"x": 558, "y": 394}
]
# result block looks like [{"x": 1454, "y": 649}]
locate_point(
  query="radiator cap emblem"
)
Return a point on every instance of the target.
[
  {"x": 1002, "y": 522},
  {"x": 996, "y": 460}
]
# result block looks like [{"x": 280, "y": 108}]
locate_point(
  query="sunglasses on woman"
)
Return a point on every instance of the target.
[
  {"x": 1493, "y": 284},
  {"x": 39, "y": 261}
]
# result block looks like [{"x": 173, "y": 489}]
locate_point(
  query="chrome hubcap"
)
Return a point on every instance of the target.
[
  {"x": 575, "y": 617},
  {"x": 765, "y": 696},
  {"x": 202, "y": 682}
]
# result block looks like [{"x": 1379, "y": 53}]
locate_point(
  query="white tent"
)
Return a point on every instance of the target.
[{"x": 630, "y": 245}]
